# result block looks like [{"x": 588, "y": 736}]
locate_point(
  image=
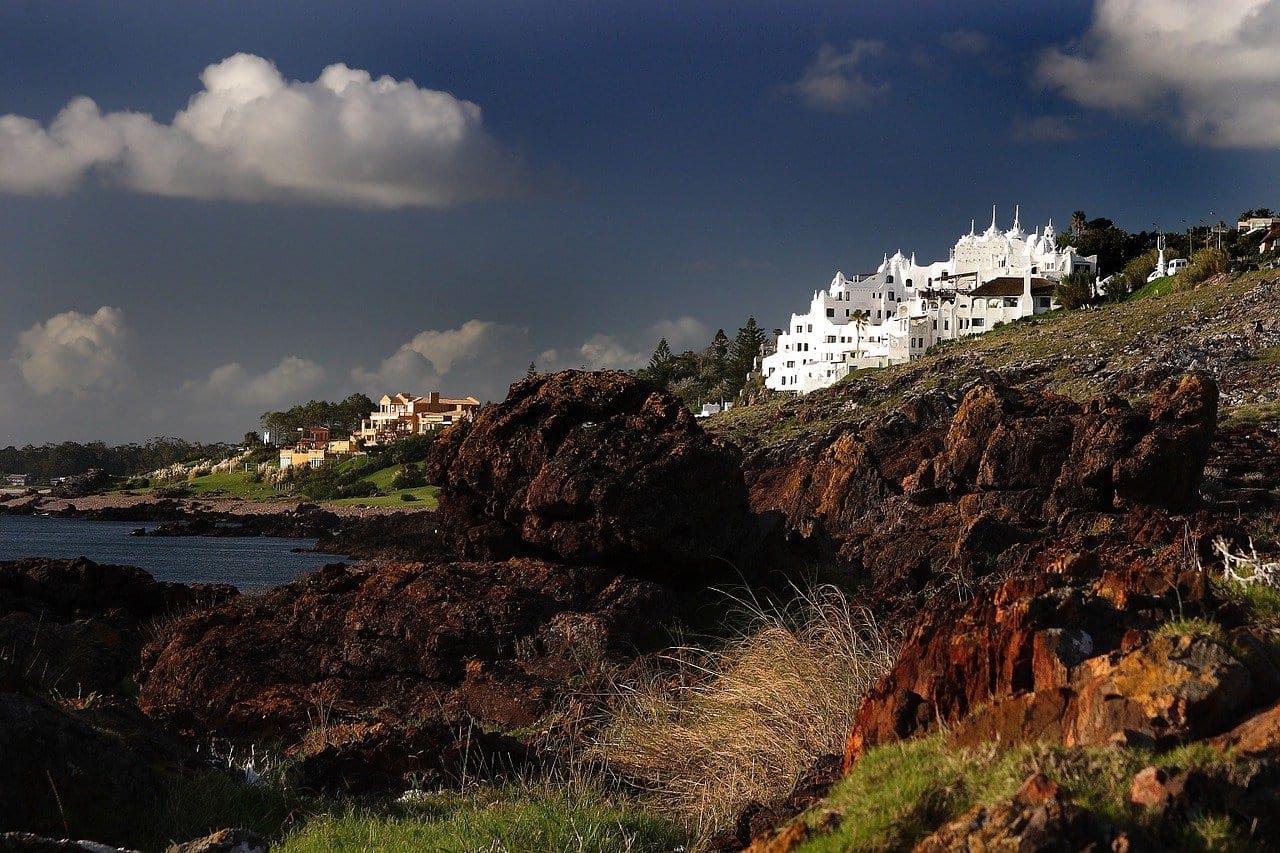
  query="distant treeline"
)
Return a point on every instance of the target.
[{"x": 44, "y": 463}]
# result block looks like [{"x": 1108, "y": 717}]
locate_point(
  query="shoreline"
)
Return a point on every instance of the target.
[{"x": 183, "y": 509}]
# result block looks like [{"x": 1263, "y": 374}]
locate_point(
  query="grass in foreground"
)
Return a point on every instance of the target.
[
  {"x": 715, "y": 730},
  {"x": 522, "y": 818},
  {"x": 424, "y": 497},
  {"x": 899, "y": 793}
]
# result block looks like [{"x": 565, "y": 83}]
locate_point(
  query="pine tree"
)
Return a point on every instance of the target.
[
  {"x": 659, "y": 369},
  {"x": 720, "y": 356},
  {"x": 532, "y": 371},
  {"x": 746, "y": 346}
]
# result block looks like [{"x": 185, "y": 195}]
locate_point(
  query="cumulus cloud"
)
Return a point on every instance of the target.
[
  {"x": 479, "y": 357},
  {"x": 251, "y": 135},
  {"x": 74, "y": 352},
  {"x": 628, "y": 352},
  {"x": 1209, "y": 69},
  {"x": 836, "y": 82},
  {"x": 282, "y": 385},
  {"x": 967, "y": 42}
]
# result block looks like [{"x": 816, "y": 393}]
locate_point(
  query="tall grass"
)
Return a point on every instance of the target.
[{"x": 711, "y": 731}]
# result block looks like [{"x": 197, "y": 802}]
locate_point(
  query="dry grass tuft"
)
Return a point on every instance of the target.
[{"x": 712, "y": 731}]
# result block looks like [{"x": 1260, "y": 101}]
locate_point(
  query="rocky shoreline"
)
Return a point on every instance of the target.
[{"x": 1043, "y": 559}]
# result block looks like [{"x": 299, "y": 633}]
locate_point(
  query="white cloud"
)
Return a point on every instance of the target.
[
  {"x": 479, "y": 357},
  {"x": 628, "y": 352},
  {"x": 835, "y": 81},
  {"x": 74, "y": 352},
  {"x": 281, "y": 386},
  {"x": 1209, "y": 69},
  {"x": 252, "y": 135},
  {"x": 968, "y": 42}
]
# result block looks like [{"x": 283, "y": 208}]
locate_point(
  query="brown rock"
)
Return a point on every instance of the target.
[
  {"x": 598, "y": 468},
  {"x": 1039, "y": 817},
  {"x": 78, "y": 627},
  {"x": 1258, "y": 735},
  {"x": 1170, "y": 690},
  {"x": 224, "y": 841},
  {"x": 62, "y": 776},
  {"x": 427, "y": 641}
]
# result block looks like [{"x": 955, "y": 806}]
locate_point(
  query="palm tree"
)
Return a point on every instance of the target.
[
  {"x": 859, "y": 319},
  {"x": 1077, "y": 222}
]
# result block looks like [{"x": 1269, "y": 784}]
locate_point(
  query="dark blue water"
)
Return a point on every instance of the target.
[{"x": 248, "y": 562}]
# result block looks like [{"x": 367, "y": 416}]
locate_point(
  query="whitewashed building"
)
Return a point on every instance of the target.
[{"x": 896, "y": 313}]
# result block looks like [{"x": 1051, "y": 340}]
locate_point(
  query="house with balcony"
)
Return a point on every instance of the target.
[
  {"x": 316, "y": 446},
  {"x": 402, "y": 415}
]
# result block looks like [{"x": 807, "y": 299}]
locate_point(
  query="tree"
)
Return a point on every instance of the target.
[
  {"x": 859, "y": 320},
  {"x": 1075, "y": 289},
  {"x": 720, "y": 356},
  {"x": 531, "y": 371},
  {"x": 1258, "y": 213},
  {"x": 1078, "y": 222},
  {"x": 746, "y": 347}
]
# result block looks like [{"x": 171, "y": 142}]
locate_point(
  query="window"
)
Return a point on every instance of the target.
[
  {"x": 799, "y": 329},
  {"x": 1011, "y": 302},
  {"x": 888, "y": 279},
  {"x": 891, "y": 297},
  {"x": 810, "y": 327},
  {"x": 846, "y": 312},
  {"x": 978, "y": 322},
  {"x": 878, "y": 313},
  {"x": 831, "y": 312},
  {"x": 831, "y": 339}
]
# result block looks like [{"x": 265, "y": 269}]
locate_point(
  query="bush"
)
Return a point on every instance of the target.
[
  {"x": 1074, "y": 290},
  {"x": 1204, "y": 265},
  {"x": 743, "y": 723},
  {"x": 409, "y": 477},
  {"x": 408, "y": 497},
  {"x": 413, "y": 448}
]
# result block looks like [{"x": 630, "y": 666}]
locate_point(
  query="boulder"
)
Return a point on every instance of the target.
[
  {"x": 1170, "y": 690},
  {"x": 592, "y": 468},
  {"x": 494, "y": 640},
  {"x": 78, "y": 627},
  {"x": 944, "y": 487},
  {"x": 62, "y": 776}
]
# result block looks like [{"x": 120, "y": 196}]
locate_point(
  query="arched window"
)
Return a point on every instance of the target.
[{"x": 888, "y": 279}]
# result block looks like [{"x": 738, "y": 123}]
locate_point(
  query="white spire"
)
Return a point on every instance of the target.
[
  {"x": 993, "y": 217},
  {"x": 1016, "y": 210}
]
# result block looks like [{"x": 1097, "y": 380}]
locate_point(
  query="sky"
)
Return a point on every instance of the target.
[{"x": 211, "y": 210}]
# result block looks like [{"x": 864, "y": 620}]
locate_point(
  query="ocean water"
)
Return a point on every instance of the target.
[{"x": 248, "y": 562}]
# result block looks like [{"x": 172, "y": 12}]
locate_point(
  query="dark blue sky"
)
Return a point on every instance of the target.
[{"x": 655, "y": 169}]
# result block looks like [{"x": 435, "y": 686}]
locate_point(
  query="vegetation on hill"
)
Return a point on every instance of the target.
[
  {"x": 342, "y": 417},
  {"x": 68, "y": 458},
  {"x": 1080, "y": 354},
  {"x": 717, "y": 373}
]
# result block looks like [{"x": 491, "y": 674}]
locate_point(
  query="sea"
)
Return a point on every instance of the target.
[{"x": 249, "y": 562}]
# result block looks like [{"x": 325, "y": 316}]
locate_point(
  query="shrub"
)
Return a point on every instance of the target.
[
  {"x": 1204, "y": 264},
  {"x": 410, "y": 476},
  {"x": 743, "y": 723},
  {"x": 408, "y": 496},
  {"x": 1075, "y": 289}
]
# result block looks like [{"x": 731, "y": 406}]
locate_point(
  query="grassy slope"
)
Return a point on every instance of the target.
[
  {"x": 1056, "y": 342},
  {"x": 240, "y": 485}
]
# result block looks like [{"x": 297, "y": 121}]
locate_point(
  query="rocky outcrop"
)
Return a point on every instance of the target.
[
  {"x": 1065, "y": 652},
  {"x": 592, "y": 468},
  {"x": 492, "y": 640},
  {"x": 78, "y": 627},
  {"x": 938, "y": 486},
  {"x": 63, "y": 776},
  {"x": 1039, "y": 818}
]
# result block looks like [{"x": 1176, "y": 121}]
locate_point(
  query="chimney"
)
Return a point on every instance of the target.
[{"x": 435, "y": 396}]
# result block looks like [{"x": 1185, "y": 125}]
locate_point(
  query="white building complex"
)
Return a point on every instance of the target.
[{"x": 897, "y": 312}]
